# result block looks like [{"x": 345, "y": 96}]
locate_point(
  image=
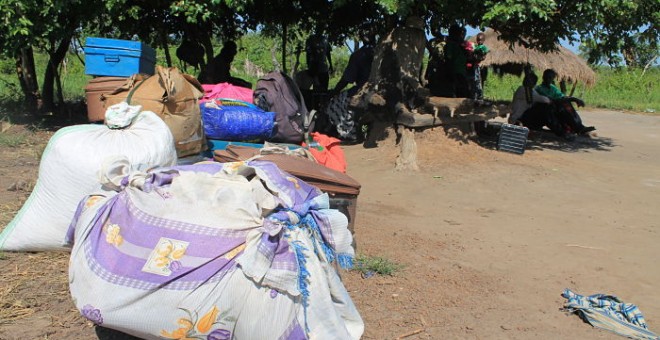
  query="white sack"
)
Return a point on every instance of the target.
[
  {"x": 69, "y": 170},
  {"x": 212, "y": 251}
]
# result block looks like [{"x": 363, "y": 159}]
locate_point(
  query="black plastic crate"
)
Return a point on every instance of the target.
[{"x": 513, "y": 138}]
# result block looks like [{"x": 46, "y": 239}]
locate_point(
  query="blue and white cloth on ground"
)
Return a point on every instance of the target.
[{"x": 610, "y": 313}]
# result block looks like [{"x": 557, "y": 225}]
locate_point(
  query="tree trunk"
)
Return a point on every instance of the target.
[
  {"x": 393, "y": 85},
  {"x": 296, "y": 62},
  {"x": 407, "y": 158},
  {"x": 273, "y": 58},
  {"x": 27, "y": 76},
  {"x": 165, "y": 45},
  {"x": 394, "y": 74},
  {"x": 205, "y": 39},
  {"x": 284, "y": 36},
  {"x": 55, "y": 58},
  {"x": 628, "y": 52}
]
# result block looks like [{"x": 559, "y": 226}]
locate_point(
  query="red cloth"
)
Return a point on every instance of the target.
[
  {"x": 328, "y": 152},
  {"x": 226, "y": 90},
  {"x": 468, "y": 46}
]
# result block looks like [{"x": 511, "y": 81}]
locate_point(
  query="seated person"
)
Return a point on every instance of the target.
[
  {"x": 530, "y": 109},
  {"x": 218, "y": 70},
  {"x": 564, "y": 110}
]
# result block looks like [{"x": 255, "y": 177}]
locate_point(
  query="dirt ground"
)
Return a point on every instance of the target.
[{"x": 489, "y": 240}]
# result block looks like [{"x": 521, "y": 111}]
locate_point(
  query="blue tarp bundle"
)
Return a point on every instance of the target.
[{"x": 235, "y": 120}]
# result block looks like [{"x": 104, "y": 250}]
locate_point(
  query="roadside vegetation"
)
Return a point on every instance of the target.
[{"x": 616, "y": 88}]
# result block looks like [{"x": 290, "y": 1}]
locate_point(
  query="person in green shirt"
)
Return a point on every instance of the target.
[
  {"x": 474, "y": 69},
  {"x": 564, "y": 109}
]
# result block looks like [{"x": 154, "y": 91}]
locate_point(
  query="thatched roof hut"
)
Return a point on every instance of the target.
[{"x": 569, "y": 66}]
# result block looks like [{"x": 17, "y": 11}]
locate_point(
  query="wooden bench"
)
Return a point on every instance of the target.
[
  {"x": 438, "y": 111},
  {"x": 460, "y": 113}
]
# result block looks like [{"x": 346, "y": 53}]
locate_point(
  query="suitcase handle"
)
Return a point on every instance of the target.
[{"x": 112, "y": 59}]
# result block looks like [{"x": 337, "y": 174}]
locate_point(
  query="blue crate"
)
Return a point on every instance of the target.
[{"x": 118, "y": 58}]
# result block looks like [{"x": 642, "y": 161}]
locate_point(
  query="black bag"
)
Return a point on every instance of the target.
[{"x": 277, "y": 92}]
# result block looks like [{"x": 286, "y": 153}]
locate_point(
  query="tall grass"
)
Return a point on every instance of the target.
[
  {"x": 626, "y": 89},
  {"x": 623, "y": 89}
]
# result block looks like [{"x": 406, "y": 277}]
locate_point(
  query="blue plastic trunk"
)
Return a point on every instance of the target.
[{"x": 118, "y": 58}]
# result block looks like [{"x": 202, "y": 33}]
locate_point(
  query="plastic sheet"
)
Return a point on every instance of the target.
[{"x": 235, "y": 120}]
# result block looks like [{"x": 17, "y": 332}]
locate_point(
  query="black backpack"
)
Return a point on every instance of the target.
[{"x": 277, "y": 92}]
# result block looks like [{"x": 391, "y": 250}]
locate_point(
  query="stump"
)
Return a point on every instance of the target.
[{"x": 407, "y": 158}]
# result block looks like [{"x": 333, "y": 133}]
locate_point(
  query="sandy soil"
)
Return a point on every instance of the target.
[{"x": 489, "y": 240}]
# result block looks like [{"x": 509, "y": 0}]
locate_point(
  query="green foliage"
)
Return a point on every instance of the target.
[
  {"x": 8, "y": 66},
  {"x": 625, "y": 89},
  {"x": 622, "y": 27},
  {"x": 41, "y": 24},
  {"x": 501, "y": 88},
  {"x": 610, "y": 26},
  {"x": 256, "y": 48},
  {"x": 73, "y": 79},
  {"x": 12, "y": 140},
  {"x": 368, "y": 265}
]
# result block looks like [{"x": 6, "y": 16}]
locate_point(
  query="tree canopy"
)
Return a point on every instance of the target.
[
  {"x": 609, "y": 27},
  {"x": 608, "y": 23}
]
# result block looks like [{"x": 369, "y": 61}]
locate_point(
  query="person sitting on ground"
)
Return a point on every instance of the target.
[
  {"x": 530, "y": 109},
  {"x": 218, "y": 70},
  {"x": 319, "y": 60},
  {"x": 564, "y": 109}
]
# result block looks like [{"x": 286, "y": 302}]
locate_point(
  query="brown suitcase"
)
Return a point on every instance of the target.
[
  {"x": 95, "y": 90},
  {"x": 324, "y": 178}
]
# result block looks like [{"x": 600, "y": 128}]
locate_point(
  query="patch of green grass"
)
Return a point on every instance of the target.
[
  {"x": 369, "y": 265},
  {"x": 501, "y": 88},
  {"x": 3, "y": 256},
  {"x": 12, "y": 140},
  {"x": 625, "y": 89}
]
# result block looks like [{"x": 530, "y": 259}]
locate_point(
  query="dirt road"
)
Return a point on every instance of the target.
[{"x": 489, "y": 240}]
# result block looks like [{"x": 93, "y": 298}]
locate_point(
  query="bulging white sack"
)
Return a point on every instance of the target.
[{"x": 69, "y": 170}]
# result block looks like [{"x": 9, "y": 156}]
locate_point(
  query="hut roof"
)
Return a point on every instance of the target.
[{"x": 569, "y": 66}]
